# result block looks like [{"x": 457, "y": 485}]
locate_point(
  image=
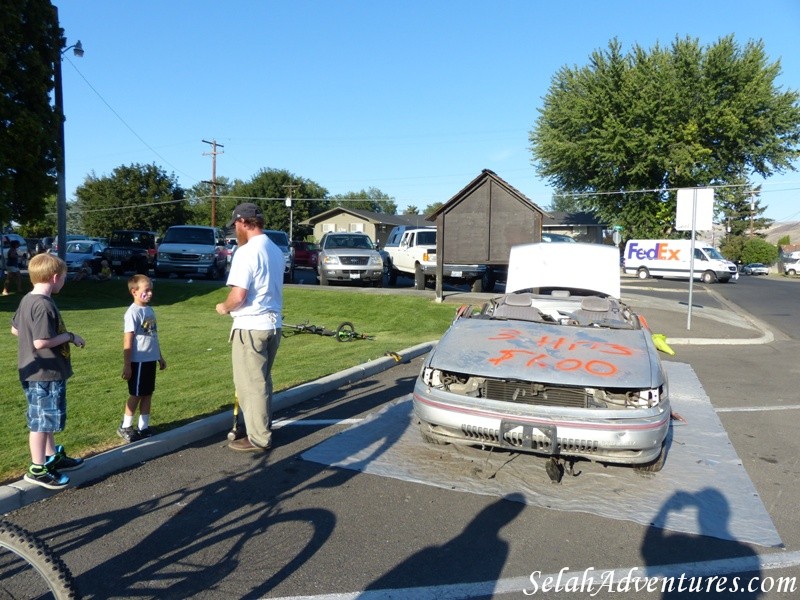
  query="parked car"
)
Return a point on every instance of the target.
[
  {"x": 230, "y": 248},
  {"x": 53, "y": 249},
  {"x": 349, "y": 257},
  {"x": 280, "y": 239},
  {"x": 192, "y": 250},
  {"x": 131, "y": 250},
  {"x": 84, "y": 255},
  {"x": 557, "y": 237},
  {"x": 305, "y": 254},
  {"x": 558, "y": 366},
  {"x": 22, "y": 250},
  {"x": 756, "y": 269}
]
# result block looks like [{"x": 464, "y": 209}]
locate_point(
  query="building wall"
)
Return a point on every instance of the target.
[{"x": 344, "y": 222}]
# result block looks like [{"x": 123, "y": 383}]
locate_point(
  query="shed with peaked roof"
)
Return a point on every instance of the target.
[{"x": 481, "y": 223}]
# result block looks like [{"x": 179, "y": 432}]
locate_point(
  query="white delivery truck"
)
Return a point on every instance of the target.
[{"x": 671, "y": 259}]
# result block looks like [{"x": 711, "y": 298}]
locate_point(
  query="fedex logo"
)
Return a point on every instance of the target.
[{"x": 660, "y": 251}]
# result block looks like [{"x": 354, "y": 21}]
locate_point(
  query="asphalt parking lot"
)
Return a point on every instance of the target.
[{"x": 184, "y": 517}]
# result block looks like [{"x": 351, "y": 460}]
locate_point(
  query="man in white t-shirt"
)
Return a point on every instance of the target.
[{"x": 255, "y": 301}]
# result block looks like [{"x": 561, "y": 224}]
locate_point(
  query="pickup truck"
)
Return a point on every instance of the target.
[{"x": 412, "y": 251}]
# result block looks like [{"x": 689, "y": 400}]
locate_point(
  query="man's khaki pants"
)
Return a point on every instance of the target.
[{"x": 253, "y": 352}]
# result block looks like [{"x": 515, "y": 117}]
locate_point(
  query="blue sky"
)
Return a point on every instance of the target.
[{"x": 413, "y": 98}]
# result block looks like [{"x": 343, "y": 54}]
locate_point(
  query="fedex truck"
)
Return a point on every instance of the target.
[{"x": 671, "y": 259}]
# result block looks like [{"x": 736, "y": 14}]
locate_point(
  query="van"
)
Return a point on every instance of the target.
[
  {"x": 671, "y": 259},
  {"x": 192, "y": 250}
]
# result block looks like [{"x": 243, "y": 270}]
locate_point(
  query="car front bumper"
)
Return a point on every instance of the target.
[
  {"x": 352, "y": 274},
  {"x": 632, "y": 436}
]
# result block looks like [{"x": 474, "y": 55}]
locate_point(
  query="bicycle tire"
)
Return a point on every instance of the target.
[
  {"x": 38, "y": 555},
  {"x": 346, "y": 332}
]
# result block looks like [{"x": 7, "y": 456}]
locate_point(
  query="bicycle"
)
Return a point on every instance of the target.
[
  {"x": 346, "y": 332},
  {"x": 29, "y": 569}
]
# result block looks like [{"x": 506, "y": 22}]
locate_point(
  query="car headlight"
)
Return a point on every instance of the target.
[
  {"x": 330, "y": 259},
  {"x": 206, "y": 257},
  {"x": 162, "y": 256},
  {"x": 375, "y": 260}
]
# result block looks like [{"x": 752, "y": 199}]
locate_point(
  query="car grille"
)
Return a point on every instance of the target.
[
  {"x": 184, "y": 257},
  {"x": 538, "y": 443},
  {"x": 119, "y": 253},
  {"x": 354, "y": 260},
  {"x": 523, "y": 392}
]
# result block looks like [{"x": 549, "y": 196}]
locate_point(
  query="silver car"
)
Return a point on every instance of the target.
[
  {"x": 349, "y": 257},
  {"x": 558, "y": 366}
]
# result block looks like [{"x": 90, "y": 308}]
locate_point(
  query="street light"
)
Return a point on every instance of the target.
[
  {"x": 61, "y": 196},
  {"x": 289, "y": 205}
]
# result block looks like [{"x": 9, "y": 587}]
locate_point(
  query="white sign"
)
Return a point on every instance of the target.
[{"x": 695, "y": 207}]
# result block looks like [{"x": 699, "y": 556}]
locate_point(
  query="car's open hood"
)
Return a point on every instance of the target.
[
  {"x": 564, "y": 266},
  {"x": 554, "y": 354}
]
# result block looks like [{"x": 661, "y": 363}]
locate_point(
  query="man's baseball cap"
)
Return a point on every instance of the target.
[{"x": 246, "y": 210}]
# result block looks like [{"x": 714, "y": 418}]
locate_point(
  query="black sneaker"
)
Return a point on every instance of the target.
[
  {"x": 144, "y": 433},
  {"x": 129, "y": 434},
  {"x": 48, "y": 478},
  {"x": 61, "y": 462}
]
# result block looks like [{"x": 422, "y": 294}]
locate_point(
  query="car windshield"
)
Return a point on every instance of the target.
[
  {"x": 131, "y": 238},
  {"x": 79, "y": 247},
  {"x": 278, "y": 238},
  {"x": 349, "y": 241},
  {"x": 189, "y": 235},
  {"x": 714, "y": 253}
]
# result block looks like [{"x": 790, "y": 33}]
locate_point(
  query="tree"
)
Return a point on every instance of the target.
[
  {"x": 749, "y": 250},
  {"x": 269, "y": 189},
  {"x": 627, "y": 130},
  {"x": 740, "y": 210},
  {"x": 411, "y": 210},
  {"x": 567, "y": 204},
  {"x": 371, "y": 199},
  {"x": 30, "y": 45},
  {"x": 133, "y": 197},
  {"x": 432, "y": 208},
  {"x": 44, "y": 226},
  {"x": 199, "y": 203}
]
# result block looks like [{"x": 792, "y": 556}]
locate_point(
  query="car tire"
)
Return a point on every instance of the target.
[
  {"x": 642, "y": 273},
  {"x": 653, "y": 466},
  {"x": 477, "y": 286},
  {"x": 791, "y": 272},
  {"x": 708, "y": 277},
  {"x": 419, "y": 277},
  {"x": 392, "y": 276}
]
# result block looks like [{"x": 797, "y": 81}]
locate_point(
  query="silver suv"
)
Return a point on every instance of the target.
[
  {"x": 281, "y": 240},
  {"x": 349, "y": 257},
  {"x": 192, "y": 250}
]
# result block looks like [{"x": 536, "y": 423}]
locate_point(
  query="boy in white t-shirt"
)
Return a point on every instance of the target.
[{"x": 141, "y": 352}]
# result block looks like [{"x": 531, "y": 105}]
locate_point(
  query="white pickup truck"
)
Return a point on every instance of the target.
[{"x": 412, "y": 251}]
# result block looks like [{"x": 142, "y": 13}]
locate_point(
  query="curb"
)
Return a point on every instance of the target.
[{"x": 21, "y": 493}]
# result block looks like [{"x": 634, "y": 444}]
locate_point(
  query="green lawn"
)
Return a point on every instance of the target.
[{"x": 197, "y": 381}]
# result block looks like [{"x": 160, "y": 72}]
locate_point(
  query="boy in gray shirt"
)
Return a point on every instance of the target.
[
  {"x": 44, "y": 367},
  {"x": 141, "y": 352}
]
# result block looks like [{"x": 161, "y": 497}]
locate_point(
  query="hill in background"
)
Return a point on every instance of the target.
[{"x": 777, "y": 230}]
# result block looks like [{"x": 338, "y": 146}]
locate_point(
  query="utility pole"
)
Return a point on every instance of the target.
[
  {"x": 213, "y": 182},
  {"x": 752, "y": 209},
  {"x": 291, "y": 187}
]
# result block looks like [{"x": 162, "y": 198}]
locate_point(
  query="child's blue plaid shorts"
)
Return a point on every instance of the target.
[{"x": 47, "y": 405}]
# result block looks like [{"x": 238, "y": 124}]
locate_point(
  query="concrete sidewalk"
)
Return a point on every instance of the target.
[{"x": 722, "y": 323}]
